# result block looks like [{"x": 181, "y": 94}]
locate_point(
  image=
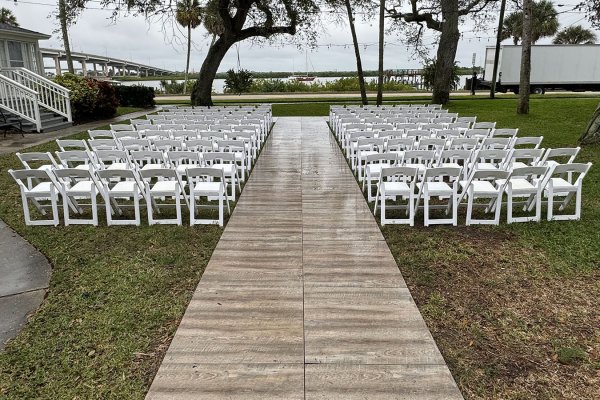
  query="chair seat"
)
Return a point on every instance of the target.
[
  {"x": 396, "y": 188},
  {"x": 519, "y": 164},
  {"x": 125, "y": 187},
  {"x": 208, "y": 188},
  {"x": 480, "y": 187},
  {"x": 165, "y": 187},
  {"x": 437, "y": 188},
  {"x": 374, "y": 170},
  {"x": 420, "y": 167},
  {"x": 41, "y": 188},
  {"x": 227, "y": 169},
  {"x": 519, "y": 186},
  {"x": 118, "y": 166},
  {"x": 486, "y": 167},
  {"x": 152, "y": 166},
  {"x": 560, "y": 184},
  {"x": 81, "y": 187}
]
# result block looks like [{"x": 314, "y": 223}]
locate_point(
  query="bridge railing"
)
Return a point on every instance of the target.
[
  {"x": 50, "y": 95},
  {"x": 20, "y": 100}
]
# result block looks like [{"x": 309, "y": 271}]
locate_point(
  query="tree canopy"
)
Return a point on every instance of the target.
[
  {"x": 576, "y": 34},
  {"x": 544, "y": 20},
  {"x": 7, "y": 17}
]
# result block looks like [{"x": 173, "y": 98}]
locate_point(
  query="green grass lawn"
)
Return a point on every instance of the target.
[{"x": 127, "y": 110}]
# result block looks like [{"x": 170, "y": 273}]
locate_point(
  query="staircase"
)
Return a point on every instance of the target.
[{"x": 33, "y": 102}]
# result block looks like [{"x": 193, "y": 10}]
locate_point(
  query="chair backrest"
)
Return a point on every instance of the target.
[
  {"x": 572, "y": 170},
  {"x": 494, "y": 156},
  {"x": 354, "y": 136},
  {"x": 568, "y": 153},
  {"x": 177, "y": 158},
  {"x": 164, "y": 173},
  {"x": 464, "y": 143},
  {"x": 136, "y": 144},
  {"x": 107, "y": 157},
  {"x": 71, "y": 144},
  {"x": 232, "y": 145},
  {"x": 436, "y": 144},
  {"x": 529, "y": 172},
  {"x": 505, "y": 132},
  {"x": 484, "y": 125},
  {"x": 459, "y": 125},
  {"x": 200, "y": 145},
  {"x": 120, "y": 135},
  {"x": 38, "y": 158},
  {"x": 390, "y": 158},
  {"x": 21, "y": 175},
  {"x": 424, "y": 157},
  {"x": 219, "y": 157},
  {"x": 531, "y": 155},
  {"x": 401, "y": 144},
  {"x": 417, "y": 133},
  {"x": 143, "y": 157},
  {"x": 448, "y": 133},
  {"x": 103, "y": 144},
  {"x": 203, "y": 173},
  {"x": 157, "y": 134},
  {"x": 469, "y": 120},
  {"x": 100, "y": 134},
  {"x": 433, "y": 127},
  {"x": 455, "y": 155},
  {"x": 168, "y": 144},
  {"x": 534, "y": 141},
  {"x": 213, "y": 135},
  {"x": 480, "y": 133},
  {"x": 399, "y": 174},
  {"x": 197, "y": 127},
  {"x": 184, "y": 134},
  {"x": 441, "y": 172},
  {"x": 168, "y": 127},
  {"x": 75, "y": 174},
  {"x": 496, "y": 143},
  {"x": 407, "y": 126},
  {"x": 121, "y": 127},
  {"x": 74, "y": 157},
  {"x": 108, "y": 176}
]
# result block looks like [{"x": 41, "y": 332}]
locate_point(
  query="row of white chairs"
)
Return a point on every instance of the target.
[
  {"x": 524, "y": 187},
  {"x": 154, "y": 186}
]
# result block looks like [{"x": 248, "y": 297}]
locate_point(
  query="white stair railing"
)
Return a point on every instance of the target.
[
  {"x": 20, "y": 100},
  {"x": 51, "y": 95}
]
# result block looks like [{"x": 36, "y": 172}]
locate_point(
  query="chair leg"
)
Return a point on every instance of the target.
[
  {"x": 149, "y": 208},
  {"x": 54, "y": 202},
  {"x": 65, "y": 208},
  {"x": 178, "y": 209},
  {"x": 136, "y": 205},
  {"x": 469, "y": 209},
  {"x": 550, "y": 203},
  {"x": 94, "y": 202},
  {"x": 382, "y": 197},
  {"x": 192, "y": 208},
  {"x": 221, "y": 208}
]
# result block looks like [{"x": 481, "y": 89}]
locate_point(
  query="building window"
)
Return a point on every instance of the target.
[{"x": 15, "y": 54}]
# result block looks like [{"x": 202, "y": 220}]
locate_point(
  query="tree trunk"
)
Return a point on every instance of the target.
[
  {"x": 62, "y": 17},
  {"x": 187, "y": 64},
  {"x": 202, "y": 92},
  {"x": 381, "y": 46},
  {"x": 524, "y": 84},
  {"x": 446, "y": 53},
  {"x": 592, "y": 132},
  {"x": 361, "y": 76}
]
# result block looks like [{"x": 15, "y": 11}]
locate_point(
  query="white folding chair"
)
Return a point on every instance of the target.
[
  {"x": 558, "y": 186},
  {"x": 163, "y": 183},
  {"x": 127, "y": 187},
  {"x": 74, "y": 185},
  {"x": 484, "y": 184},
  {"x": 433, "y": 185},
  {"x": 121, "y": 127},
  {"x": 374, "y": 163},
  {"x": 100, "y": 134},
  {"x": 202, "y": 184},
  {"x": 227, "y": 163},
  {"x": 505, "y": 132},
  {"x": 72, "y": 144},
  {"x": 535, "y": 141},
  {"x": 147, "y": 159},
  {"x": 45, "y": 188},
  {"x": 525, "y": 182},
  {"x": 396, "y": 182}
]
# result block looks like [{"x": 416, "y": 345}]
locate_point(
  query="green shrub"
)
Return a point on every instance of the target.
[
  {"x": 90, "y": 99},
  {"x": 429, "y": 74},
  {"x": 338, "y": 85},
  {"x": 135, "y": 96},
  {"x": 238, "y": 82},
  {"x": 175, "y": 87}
]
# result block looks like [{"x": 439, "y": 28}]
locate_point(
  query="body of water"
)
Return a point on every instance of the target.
[{"x": 219, "y": 84}]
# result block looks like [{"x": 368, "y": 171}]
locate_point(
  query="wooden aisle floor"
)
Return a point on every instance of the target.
[{"x": 302, "y": 298}]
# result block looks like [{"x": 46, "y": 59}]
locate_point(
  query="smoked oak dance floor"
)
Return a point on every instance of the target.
[{"x": 302, "y": 298}]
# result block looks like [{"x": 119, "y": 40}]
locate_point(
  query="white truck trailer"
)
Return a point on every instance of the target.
[{"x": 553, "y": 67}]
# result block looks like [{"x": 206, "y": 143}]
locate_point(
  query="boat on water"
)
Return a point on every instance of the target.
[{"x": 304, "y": 78}]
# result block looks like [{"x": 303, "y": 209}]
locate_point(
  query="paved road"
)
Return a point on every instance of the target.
[{"x": 302, "y": 298}]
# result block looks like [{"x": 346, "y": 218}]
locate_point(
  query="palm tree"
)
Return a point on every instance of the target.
[
  {"x": 189, "y": 15},
  {"x": 575, "y": 35},
  {"x": 7, "y": 17},
  {"x": 544, "y": 22}
]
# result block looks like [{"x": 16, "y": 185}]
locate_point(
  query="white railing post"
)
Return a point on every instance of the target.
[
  {"x": 20, "y": 100},
  {"x": 51, "y": 96}
]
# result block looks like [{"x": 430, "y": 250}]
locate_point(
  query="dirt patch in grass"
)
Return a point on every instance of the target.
[{"x": 509, "y": 326}]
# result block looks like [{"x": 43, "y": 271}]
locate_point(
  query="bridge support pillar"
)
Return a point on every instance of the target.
[
  {"x": 123, "y": 70},
  {"x": 57, "y": 66},
  {"x": 83, "y": 67},
  {"x": 95, "y": 69}
]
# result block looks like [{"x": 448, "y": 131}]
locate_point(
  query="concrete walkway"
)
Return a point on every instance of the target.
[
  {"x": 25, "y": 275},
  {"x": 302, "y": 298}
]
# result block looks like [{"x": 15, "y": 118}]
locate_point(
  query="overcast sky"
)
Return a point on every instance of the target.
[{"x": 133, "y": 38}]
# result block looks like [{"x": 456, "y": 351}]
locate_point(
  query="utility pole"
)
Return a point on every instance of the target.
[{"x": 497, "y": 51}]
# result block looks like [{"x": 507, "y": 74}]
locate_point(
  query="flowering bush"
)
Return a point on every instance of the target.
[{"x": 90, "y": 98}]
